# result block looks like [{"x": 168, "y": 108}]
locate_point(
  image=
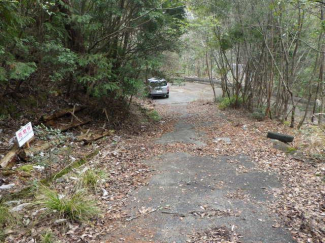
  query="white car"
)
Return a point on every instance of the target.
[{"x": 158, "y": 87}]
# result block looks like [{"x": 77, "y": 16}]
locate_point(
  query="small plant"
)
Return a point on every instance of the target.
[
  {"x": 291, "y": 150},
  {"x": 47, "y": 237},
  {"x": 34, "y": 185},
  {"x": 5, "y": 219},
  {"x": 26, "y": 168},
  {"x": 3, "y": 117},
  {"x": 91, "y": 178},
  {"x": 153, "y": 115},
  {"x": 286, "y": 123},
  {"x": 2, "y": 235},
  {"x": 5, "y": 216},
  {"x": 76, "y": 206},
  {"x": 45, "y": 133}
]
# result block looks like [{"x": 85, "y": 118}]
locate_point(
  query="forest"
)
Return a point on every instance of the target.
[
  {"x": 100, "y": 49},
  {"x": 272, "y": 53},
  {"x": 77, "y": 73}
]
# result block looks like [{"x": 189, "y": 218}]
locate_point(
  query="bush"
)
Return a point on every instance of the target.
[
  {"x": 76, "y": 207},
  {"x": 62, "y": 60},
  {"x": 219, "y": 99},
  {"x": 153, "y": 115},
  {"x": 179, "y": 82},
  {"x": 258, "y": 114},
  {"x": 230, "y": 102},
  {"x": 21, "y": 71}
]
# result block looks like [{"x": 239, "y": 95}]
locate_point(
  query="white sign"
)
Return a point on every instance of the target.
[{"x": 25, "y": 134}]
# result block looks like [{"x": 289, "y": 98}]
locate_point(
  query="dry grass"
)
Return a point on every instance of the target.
[
  {"x": 91, "y": 178},
  {"x": 312, "y": 141}
]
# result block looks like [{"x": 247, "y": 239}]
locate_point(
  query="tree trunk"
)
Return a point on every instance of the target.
[{"x": 321, "y": 73}]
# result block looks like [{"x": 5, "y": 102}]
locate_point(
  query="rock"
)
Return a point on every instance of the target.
[
  {"x": 37, "y": 211},
  {"x": 2, "y": 181},
  {"x": 6, "y": 187},
  {"x": 39, "y": 167},
  {"x": 299, "y": 154},
  {"x": 20, "y": 207},
  {"x": 60, "y": 221},
  {"x": 61, "y": 180},
  {"x": 105, "y": 193},
  {"x": 12, "y": 140},
  {"x": 8, "y": 231},
  {"x": 225, "y": 140},
  {"x": 26, "y": 221},
  {"x": 280, "y": 145},
  {"x": 10, "y": 203}
]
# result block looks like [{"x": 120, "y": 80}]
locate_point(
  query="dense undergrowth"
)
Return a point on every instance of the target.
[{"x": 53, "y": 53}]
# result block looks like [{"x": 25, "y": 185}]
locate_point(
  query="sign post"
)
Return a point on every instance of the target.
[{"x": 25, "y": 134}]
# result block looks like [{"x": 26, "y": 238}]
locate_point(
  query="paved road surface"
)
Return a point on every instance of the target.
[
  {"x": 188, "y": 93},
  {"x": 188, "y": 194}
]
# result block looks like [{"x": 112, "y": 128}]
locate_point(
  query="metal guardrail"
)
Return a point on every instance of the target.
[
  {"x": 190, "y": 79},
  {"x": 204, "y": 80}
]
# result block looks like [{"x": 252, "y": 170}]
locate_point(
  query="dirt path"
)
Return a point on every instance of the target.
[{"x": 202, "y": 189}]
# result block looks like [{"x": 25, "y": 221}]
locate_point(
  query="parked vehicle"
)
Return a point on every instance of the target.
[{"x": 158, "y": 87}]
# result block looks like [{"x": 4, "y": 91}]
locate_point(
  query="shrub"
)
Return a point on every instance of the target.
[
  {"x": 179, "y": 82},
  {"x": 219, "y": 99},
  {"x": 76, "y": 206},
  {"x": 21, "y": 71},
  {"x": 227, "y": 102},
  {"x": 62, "y": 60},
  {"x": 258, "y": 114},
  {"x": 153, "y": 115}
]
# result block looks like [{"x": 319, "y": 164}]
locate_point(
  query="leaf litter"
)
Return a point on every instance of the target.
[{"x": 300, "y": 202}]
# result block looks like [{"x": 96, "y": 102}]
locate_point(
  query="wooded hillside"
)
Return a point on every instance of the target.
[
  {"x": 271, "y": 52},
  {"x": 101, "y": 49},
  {"x": 162, "y": 121}
]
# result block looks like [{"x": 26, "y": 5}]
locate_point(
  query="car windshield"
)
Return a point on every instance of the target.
[{"x": 158, "y": 84}]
